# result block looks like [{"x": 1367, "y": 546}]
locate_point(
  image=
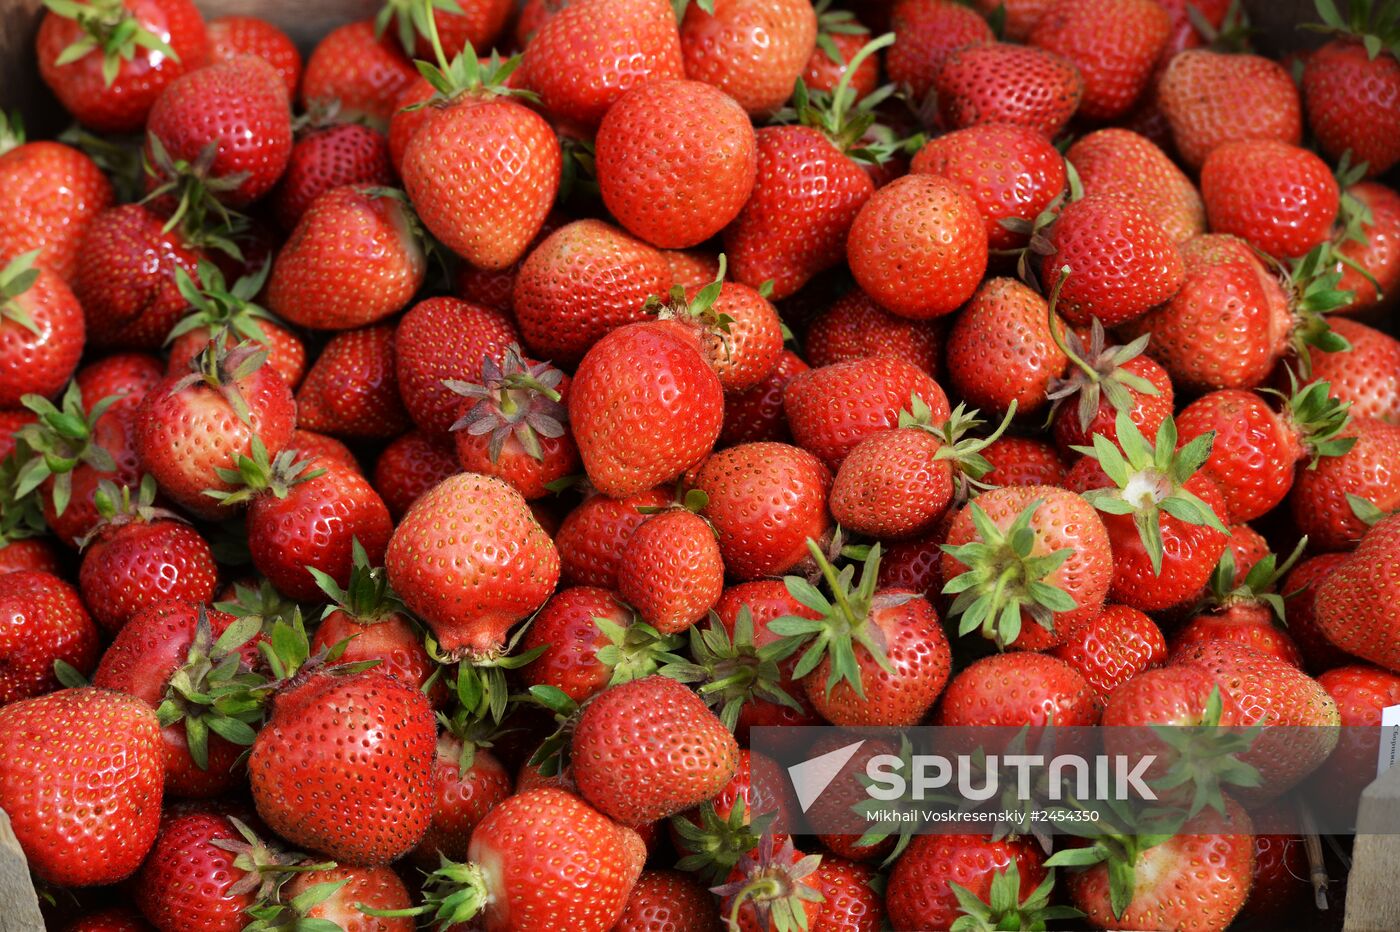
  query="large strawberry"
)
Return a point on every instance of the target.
[
  {"x": 676, "y": 161},
  {"x": 45, "y": 622},
  {"x": 1211, "y": 98},
  {"x": 1114, "y": 43},
  {"x": 41, "y": 331},
  {"x": 998, "y": 82},
  {"x": 352, "y": 390},
  {"x": 1277, "y": 197},
  {"x": 108, "y": 60},
  {"x": 645, "y": 406},
  {"x": 1353, "y": 602},
  {"x": 74, "y": 830},
  {"x": 1350, "y": 85},
  {"x": 471, "y": 560},
  {"x": 1121, "y": 162}
]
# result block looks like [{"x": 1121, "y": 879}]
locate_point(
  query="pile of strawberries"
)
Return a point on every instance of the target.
[{"x": 421, "y": 471}]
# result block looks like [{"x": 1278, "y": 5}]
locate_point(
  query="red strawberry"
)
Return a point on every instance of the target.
[
  {"x": 41, "y": 331},
  {"x": 410, "y": 466},
  {"x": 925, "y": 33},
  {"x": 362, "y": 72},
  {"x": 49, "y": 193},
  {"x": 108, "y": 60},
  {"x": 998, "y": 82},
  {"x": 475, "y": 24},
  {"x": 1120, "y": 261},
  {"x": 323, "y": 449},
  {"x": 359, "y": 745},
  {"x": 1001, "y": 351},
  {"x": 231, "y": 122},
  {"x": 772, "y": 888},
  {"x": 852, "y": 897},
  {"x": 471, "y": 561},
  {"x": 693, "y": 173},
  {"x": 1321, "y": 499},
  {"x": 1120, "y": 162},
  {"x": 469, "y": 783},
  {"x": 1211, "y": 98},
  {"x": 1279, "y": 198},
  {"x": 1301, "y": 585},
  {"x": 921, "y": 891},
  {"x": 352, "y": 260},
  {"x": 649, "y": 749},
  {"x": 1379, "y": 255},
  {"x": 441, "y": 339},
  {"x": 671, "y": 570},
  {"x": 668, "y": 899},
  {"x": 1023, "y": 461},
  {"x": 592, "y": 536},
  {"x": 74, "y": 830},
  {"x": 833, "y": 408},
  {"x": 855, "y": 327},
  {"x": 591, "y": 53},
  {"x": 586, "y": 279},
  {"x": 840, "y": 36},
  {"x": 669, "y": 397},
  {"x": 918, "y": 247},
  {"x": 590, "y": 640},
  {"x": 232, "y": 36},
  {"x": 765, "y": 501},
  {"x": 753, "y": 50},
  {"x": 738, "y": 330},
  {"x": 713, "y": 837},
  {"x": 127, "y": 376},
  {"x": 1114, "y": 43},
  {"x": 1350, "y": 86},
  {"x": 757, "y": 414},
  {"x": 352, "y": 389},
  {"x": 328, "y": 158},
  {"x": 1361, "y": 692},
  {"x": 1241, "y": 606},
  {"x": 1352, "y": 602},
  {"x": 1021, "y": 15},
  {"x": 44, "y": 622},
  {"x": 1114, "y": 647},
  {"x": 1368, "y": 375},
  {"x": 1019, "y": 689},
  {"x": 191, "y": 426},
  {"x": 351, "y": 893}
]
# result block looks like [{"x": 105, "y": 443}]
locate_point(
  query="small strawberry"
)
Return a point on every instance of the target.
[
  {"x": 1352, "y": 602},
  {"x": 671, "y": 570},
  {"x": 1023, "y": 461},
  {"x": 855, "y": 327},
  {"x": 592, "y": 536},
  {"x": 1322, "y": 498},
  {"x": 1301, "y": 587},
  {"x": 1211, "y": 98},
  {"x": 1277, "y": 197},
  {"x": 410, "y": 466},
  {"x": 1001, "y": 353},
  {"x": 1242, "y": 607},
  {"x": 1113, "y": 647},
  {"x": 1366, "y": 375},
  {"x": 1021, "y": 15},
  {"x": 442, "y": 339},
  {"x": 1113, "y": 43},
  {"x": 840, "y": 36},
  {"x": 363, "y": 73},
  {"x": 1019, "y": 689},
  {"x": 998, "y": 82},
  {"x": 41, "y": 331},
  {"x": 352, "y": 389},
  {"x": 752, "y": 50},
  {"x": 1379, "y": 254},
  {"x": 232, "y": 36},
  {"x": 327, "y": 158},
  {"x": 45, "y": 622},
  {"x": 925, "y": 33},
  {"x": 757, "y": 415},
  {"x": 938, "y": 876},
  {"x": 713, "y": 837},
  {"x": 1350, "y": 86},
  {"x": 1120, "y": 162},
  {"x": 668, "y": 899},
  {"x": 469, "y": 783}
]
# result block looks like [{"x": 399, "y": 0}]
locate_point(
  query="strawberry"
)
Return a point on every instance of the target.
[
  {"x": 443, "y": 339},
  {"x": 1321, "y": 498},
  {"x": 1256, "y": 449},
  {"x": 1103, "y": 382},
  {"x": 1056, "y": 576},
  {"x": 591, "y": 53},
  {"x": 757, "y": 414},
  {"x": 233, "y": 119},
  {"x": 765, "y": 501},
  {"x": 232, "y": 36},
  {"x": 584, "y": 280},
  {"x": 126, "y": 301},
  {"x": 998, "y": 82},
  {"x": 1378, "y": 255},
  {"x": 691, "y": 266},
  {"x": 737, "y": 328},
  {"x": 470, "y": 560},
  {"x": 191, "y": 426},
  {"x": 1000, "y": 350},
  {"x": 1361, "y": 692},
  {"x": 1019, "y": 689},
  {"x": 45, "y": 622},
  {"x": 649, "y": 749},
  {"x": 840, "y": 36},
  {"x": 851, "y": 894},
  {"x": 41, "y": 331},
  {"x": 936, "y": 874},
  {"x": 713, "y": 837},
  {"x": 108, "y": 60},
  {"x": 918, "y": 247},
  {"x": 363, "y": 73},
  {"x": 410, "y": 466},
  {"x": 1350, "y": 86},
  {"x": 752, "y": 50},
  {"x": 188, "y": 664},
  {"x": 925, "y": 33},
  {"x": 49, "y": 193},
  {"x": 475, "y": 24},
  {"x": 1241, "y": 607},
  {"x": 1366, "y": 375},
  {"x": 352, "y": 260},
  {"x": 590, "y": 641},
  {"x": 345, "y": 765},
  {"x": 328, "y": 158},
  {"x": 1012, "y": 172},
  {"x": 1161, "y": 512},
  {"x": 871, "y": 656},
  {"x": 695, "y": 171},
  {"x": 671, "y": 570},
  {"x": 592, "y": 536},
  {"x": 1279, "y": 198},
  {"x": 352, "y": 389},
  {"x": 833, "y": 408},
  {"x": 1301, "y": 586},
  {"x": 74, "y": 830},
  {"x": 668, "y": 899},
  {"x": 126, "y": 376},
  {"x": 319, "y": 447},
  {"x": 1118, "y": 262},
  {"x": 469, "y": 782},
  {"x": 1114, "y": 647},
  {"x": 1196, "y": 879},
  {"x": 671, "y": 399},
  {"x": 1114, "y": 43},
  {"x": 139, "y": 554},
  {"x": 1120, "y": 162},
  {"x": 1352, "y": 602},
  {"x": 855, "y": 327},
  {"x": 111, "y": 919},
  {"x": 1023, "y": 461},
  {"x": 772, "y": 888},
  {"x": 1211, "y": 98},
  {"x": 345, "y": 897}
]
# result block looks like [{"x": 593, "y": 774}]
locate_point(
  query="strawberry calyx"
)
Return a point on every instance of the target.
[
  {"x": 1259, "y": 586},
  {"x": 286, "y": 652},
  {"x": 121, "y": 160},
  {"x": 262, "y": 600},
  {"x": 837, "y": 114},
  {"x": 1005, "y": 579},
  {"x": 265, "y": 866},
  {"x": 711, "y": 327},
  {"x": 1376, "y": 27},
  {"x": 221, "y": 368},
  {"x": 465, "y": 75},
  {"x": 367, "y": 599},
  {"x": 731, "y": 669},
  {"x": 1205, "y": 758},
  {"x": 17, "y": 277},
  {"x": 116, "y": 508},
  {"x": 843, "y": 621},
  {"x": 454, "y": 893},
  {"x": 552, "y": 756},
  {"x": 1098, "y": 372},
  {"x": 1004, "y": 908},
  {"x": 1036, "y": 233},
  {"x": 213, "y": 689},
  {"x": 257, "y": 474},
  {"x": 199, "y": 212},
  {"x": 963, "y": 451},
  {"x": 775, "y": 884},
  {"x": 109, "y": 27},
  {"x": 1366, "y": 510},
  {"x": 1149, "y": 479},
  {"x": 226, "y": 312},
  {"x": 1317, "y": 419},
  {"x": 1312, "y": 285},
  {"x": 11, "y": 131},
  {"x": 514, "y": 399},
  {"x": 711, "y": 845},
  {"x": 292, "y": 915},
  {"x": 1119, "y": 839},
  {"x": 60, "y": 440},
  {"x": 20, "y": 516},
  {"x": 635, "y": 650}
]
